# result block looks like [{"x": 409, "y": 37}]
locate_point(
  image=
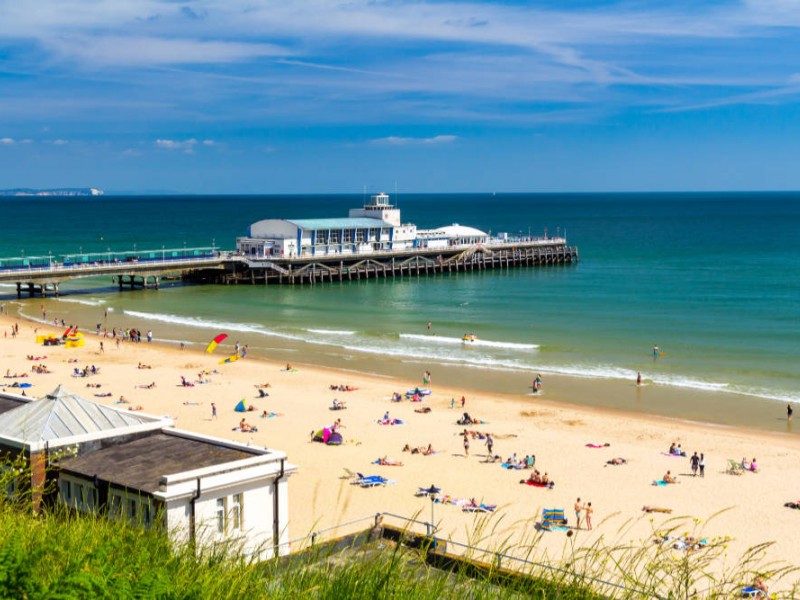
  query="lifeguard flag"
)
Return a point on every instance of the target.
[{"x": 216, "y": 342}]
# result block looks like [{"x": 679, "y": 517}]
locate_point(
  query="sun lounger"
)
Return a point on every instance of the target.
[
  {"x": 373, "y": 481},
  {"x": 553, "y": 519},
  {"x": 479, "y": 507}
]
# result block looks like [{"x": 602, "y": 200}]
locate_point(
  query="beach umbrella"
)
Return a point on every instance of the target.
[{"x": 215, "y": 342}]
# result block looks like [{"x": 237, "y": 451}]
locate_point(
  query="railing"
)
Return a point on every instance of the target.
[
  {"x": 497, "y": 558},
  {"x": 105, "y": 266}
]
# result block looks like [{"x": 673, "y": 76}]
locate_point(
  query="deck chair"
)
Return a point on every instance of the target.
[
  {"x": 734, "y": 467},
  {"x": 348, "y": 474},
  {"x": 553, "y": 519},
  {"x": 478, "y": 507},
  {"x": 372, "y": 481}
]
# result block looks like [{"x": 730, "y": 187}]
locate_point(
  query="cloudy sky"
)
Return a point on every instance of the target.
[{"x": 263, "y": 96}]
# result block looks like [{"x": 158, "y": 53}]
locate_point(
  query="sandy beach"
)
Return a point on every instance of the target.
[{"x": 749, "y": 507}]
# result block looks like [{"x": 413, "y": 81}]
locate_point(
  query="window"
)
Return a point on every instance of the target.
[
  {"x": 132, "y": 510},
  {"x": 221, "y": 515},
  {"x": 360, "y": 235},
  {"x": 146, "y": 520},
  {"x": 115, "y": 506},
  {"x": 66, "y": 491},
  {"x": 347, "y": 236},
  {"x": 236, "y": 513},
  {"x": 333, "y": 237}
]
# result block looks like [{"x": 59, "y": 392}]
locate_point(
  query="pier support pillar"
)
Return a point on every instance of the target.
[{"x": 19, "y": 290}]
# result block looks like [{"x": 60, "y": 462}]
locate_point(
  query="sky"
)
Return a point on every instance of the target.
[{"x": 320, "y": 96}]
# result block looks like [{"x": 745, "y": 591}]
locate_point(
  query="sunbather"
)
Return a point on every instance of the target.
[
  {"x": 652, "y": 509},
  {"x": 668, "y": 478},
  {"x": 387, "y": 462},
  {"x": 617, "y": 461}
]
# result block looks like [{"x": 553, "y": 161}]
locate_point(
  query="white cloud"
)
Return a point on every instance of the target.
[
  {"x": 394, "y": 140},
  {"x": 209, "y": 142},
  {"x": 7, "y": 141},
  {"x": 59, "y": 142},
  {"x": 186, "y": 146},
  {"x": 134, "y": 51}
]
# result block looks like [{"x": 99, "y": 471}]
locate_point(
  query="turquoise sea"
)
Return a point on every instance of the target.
[{"x": 712, "y": 279}]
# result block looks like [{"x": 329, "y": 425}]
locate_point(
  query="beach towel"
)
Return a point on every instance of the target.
[
  {"x": 597, "y": 445},
  {"x": 660, "y": 482},
  {"x": 253, "y": 429},
  {"x": 390, "y": 422},
  {"x": 682, "y": 455},
  {"x": 550, "y": 485}
]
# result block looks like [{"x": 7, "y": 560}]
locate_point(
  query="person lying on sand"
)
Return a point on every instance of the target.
[
  {"x": 387, "y": 462},
  {"x": 136, "y": 407},
  {"x": 423, "y": 410},
  {"x": 263, "y": 385},
  {"x": 617, "y": 461},
  {"x": 338, "y": 405},
  {"x": 144, "y": 366},
  {"x": 656, "y": 509},
  {"x": 147, "y": 386},
  {"x": 123, "y": 400}
]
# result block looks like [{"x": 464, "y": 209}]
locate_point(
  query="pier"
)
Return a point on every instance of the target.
[
  {"x": 304, "y": 270},
  {"x": 145, "y": 269}
]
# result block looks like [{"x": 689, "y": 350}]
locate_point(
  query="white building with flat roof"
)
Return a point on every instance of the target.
[
  {"x": 129, "y": 465},
  {"x": 375, "y": 227}
]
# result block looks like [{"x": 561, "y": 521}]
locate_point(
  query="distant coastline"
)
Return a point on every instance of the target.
[{"x": 52, "y": 192}]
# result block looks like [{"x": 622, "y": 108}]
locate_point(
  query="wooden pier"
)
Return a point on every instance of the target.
[{"x": 339, "y": 268}]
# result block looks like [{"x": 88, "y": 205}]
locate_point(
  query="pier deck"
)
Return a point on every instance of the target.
[
  {"x": 145, "y": 269},
  {"x": 312, "y": 270}
]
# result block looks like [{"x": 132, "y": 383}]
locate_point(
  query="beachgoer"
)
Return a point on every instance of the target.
[
  {"x": 589, "y": 510},
  {"x": 638, "y": 378},
  {"x": 758, "y": 584},
  {"x": 668, "y": 478},
  {"x": 489, "y": 443},
  {"x": 213, "y": 411},
  {"x": 695, "y": 463},
  {"x": 753, "y": 466},
  {"x": 702, "y": 465},
  {"x": 429, "y": 325},
  {"x": 656, "y": 352},
  {"x": 102, "y": 350},
  {"x": 578, "y": 513},
  {"x": 466, "y": 444},
  {"x": 463, "y": 401},
  {"x": 789, "y": 411},
  {"x": 452, "y": 402}
]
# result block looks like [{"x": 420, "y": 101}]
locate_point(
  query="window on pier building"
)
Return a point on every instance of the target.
[
  {"x": 333, "y": 237},
  {"x": 360, "y": 235},
  {"x": 347, "y": 236}
]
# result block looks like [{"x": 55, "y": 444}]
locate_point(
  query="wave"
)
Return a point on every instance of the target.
[
  {"x": 438, "y": 339},
  {"x": 331, "y": 331},
  {"x": 208, "y": 324},
  {"x": 97, "y": 302}
]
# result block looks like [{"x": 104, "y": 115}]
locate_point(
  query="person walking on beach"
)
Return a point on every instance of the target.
[
  {"x": 578, "y": 513},
  {"x": 489, "y": 444},
  {"x": 589, "y": 510},
  {"x": 452, "y": 402},
  {"x": 638, "y": 378},
  {"x": 695, "y": 462},
  {"x": 466, "y": 444},
  {"x": 102, "y": 350},
  {"x": 463, "y": 401},
  {"x": 213, "y": 411},
  {"x": 702, "y": 465},
  {"x": 789, "y": 411}
]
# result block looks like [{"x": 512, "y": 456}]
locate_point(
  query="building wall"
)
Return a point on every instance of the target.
[{"x": 216, "y": 521}]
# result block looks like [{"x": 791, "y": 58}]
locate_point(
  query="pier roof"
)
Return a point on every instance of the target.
[{"x": 338, "y": 223}]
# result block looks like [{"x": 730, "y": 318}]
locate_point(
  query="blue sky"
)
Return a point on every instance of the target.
[{"x": 262, "y": 96}]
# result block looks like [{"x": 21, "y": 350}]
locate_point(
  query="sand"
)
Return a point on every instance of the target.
[{"x": 748, "y": 508}]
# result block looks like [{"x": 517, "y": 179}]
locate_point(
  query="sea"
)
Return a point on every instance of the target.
[{"x": 712, "y": 279}]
